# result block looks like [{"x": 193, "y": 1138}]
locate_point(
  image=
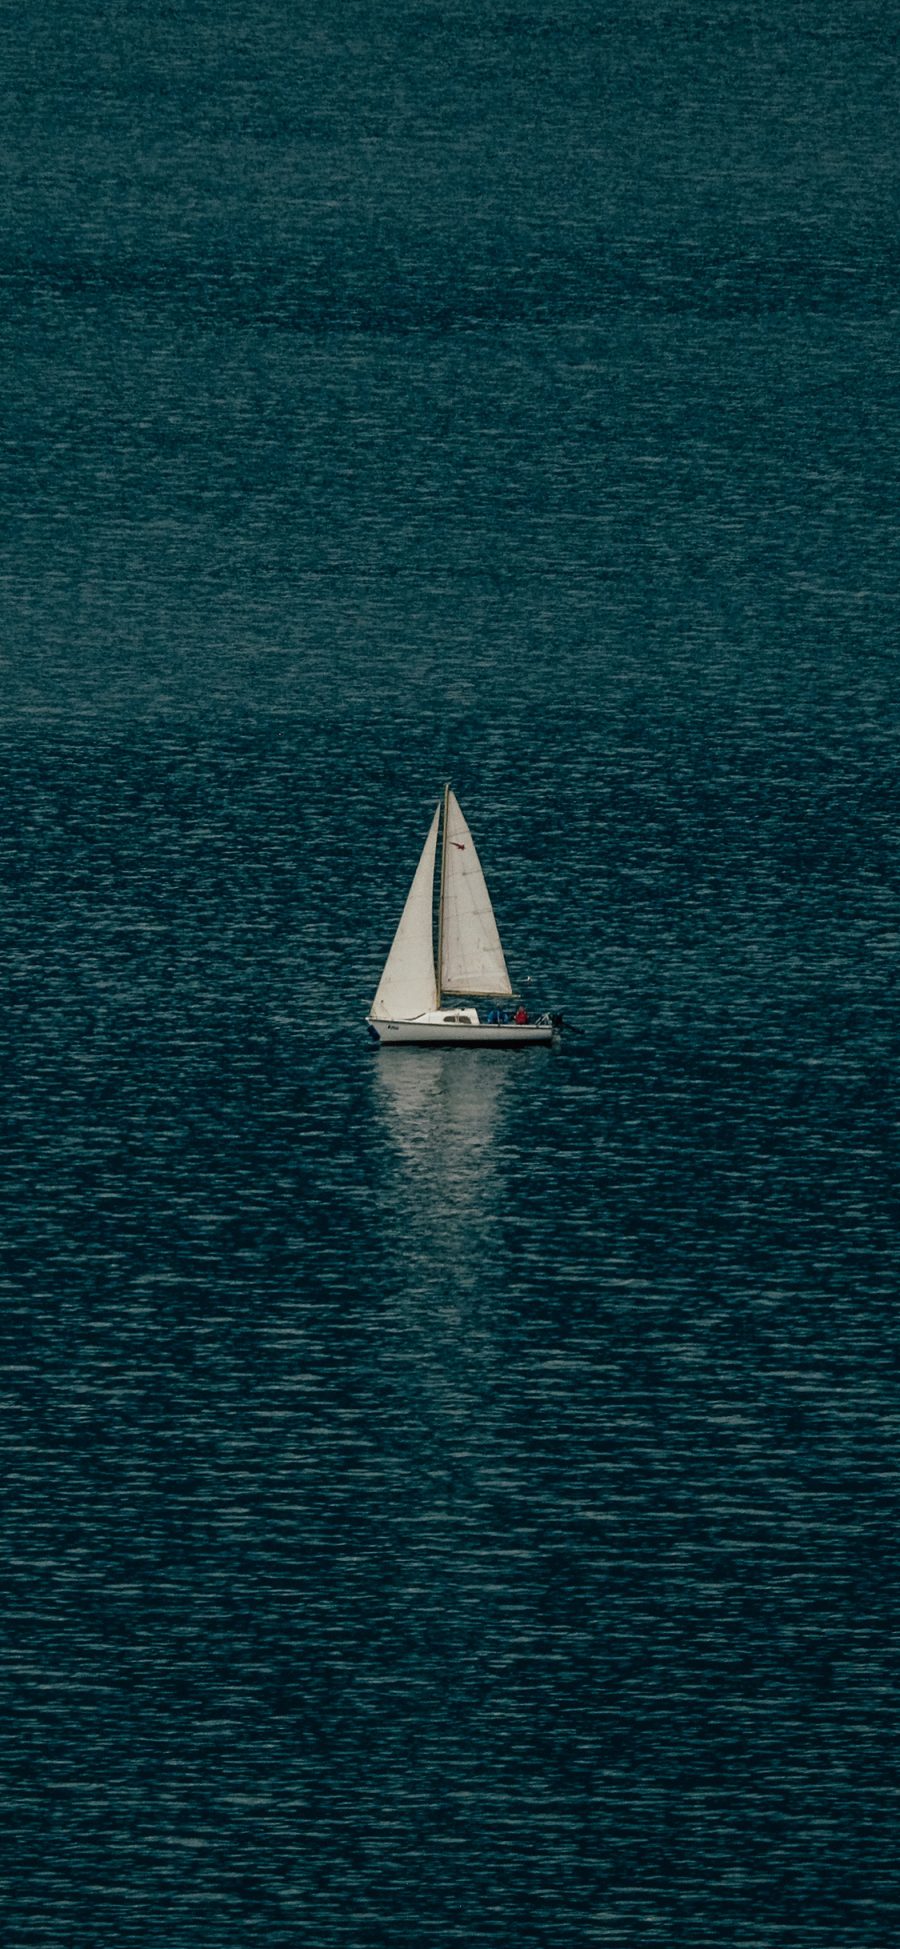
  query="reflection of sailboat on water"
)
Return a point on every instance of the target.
[
  {"x": 441, "y": 1212},
  {"x": 443, "y": 1112},
  {"x": 409, "y": 1005}
]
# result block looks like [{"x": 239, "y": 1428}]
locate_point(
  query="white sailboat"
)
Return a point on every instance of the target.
[{"x": 423, "y": 998}]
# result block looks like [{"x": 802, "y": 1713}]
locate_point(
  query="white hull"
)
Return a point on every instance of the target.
[{"x": 466, "y": 1035}]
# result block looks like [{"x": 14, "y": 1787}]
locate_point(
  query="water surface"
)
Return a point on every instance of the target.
[{"x": 450, "y": 1496}]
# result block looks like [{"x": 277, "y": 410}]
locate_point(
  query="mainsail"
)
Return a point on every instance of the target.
[
  {"x": 472, "y": 961},
  {"x": 407, "y": 987}
]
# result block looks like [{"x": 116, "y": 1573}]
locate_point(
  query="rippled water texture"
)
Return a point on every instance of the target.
[{"x": 450, "y": 1496}]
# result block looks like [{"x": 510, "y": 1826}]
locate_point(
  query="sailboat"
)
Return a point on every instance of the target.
[{"x": 427, "y": 998}]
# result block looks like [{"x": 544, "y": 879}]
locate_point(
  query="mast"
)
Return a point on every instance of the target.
[{"x": 440, "y": 939}]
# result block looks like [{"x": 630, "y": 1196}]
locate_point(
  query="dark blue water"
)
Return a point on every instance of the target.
[{"x": 450, "y": 1497}]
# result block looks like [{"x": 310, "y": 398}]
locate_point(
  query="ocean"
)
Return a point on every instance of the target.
[{"x": 450, "y": 1496}]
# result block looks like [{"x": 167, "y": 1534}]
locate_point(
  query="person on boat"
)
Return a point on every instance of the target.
[
  {"x": 521, "y": 1015},
  {"x": 493, "y": 1015}
]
